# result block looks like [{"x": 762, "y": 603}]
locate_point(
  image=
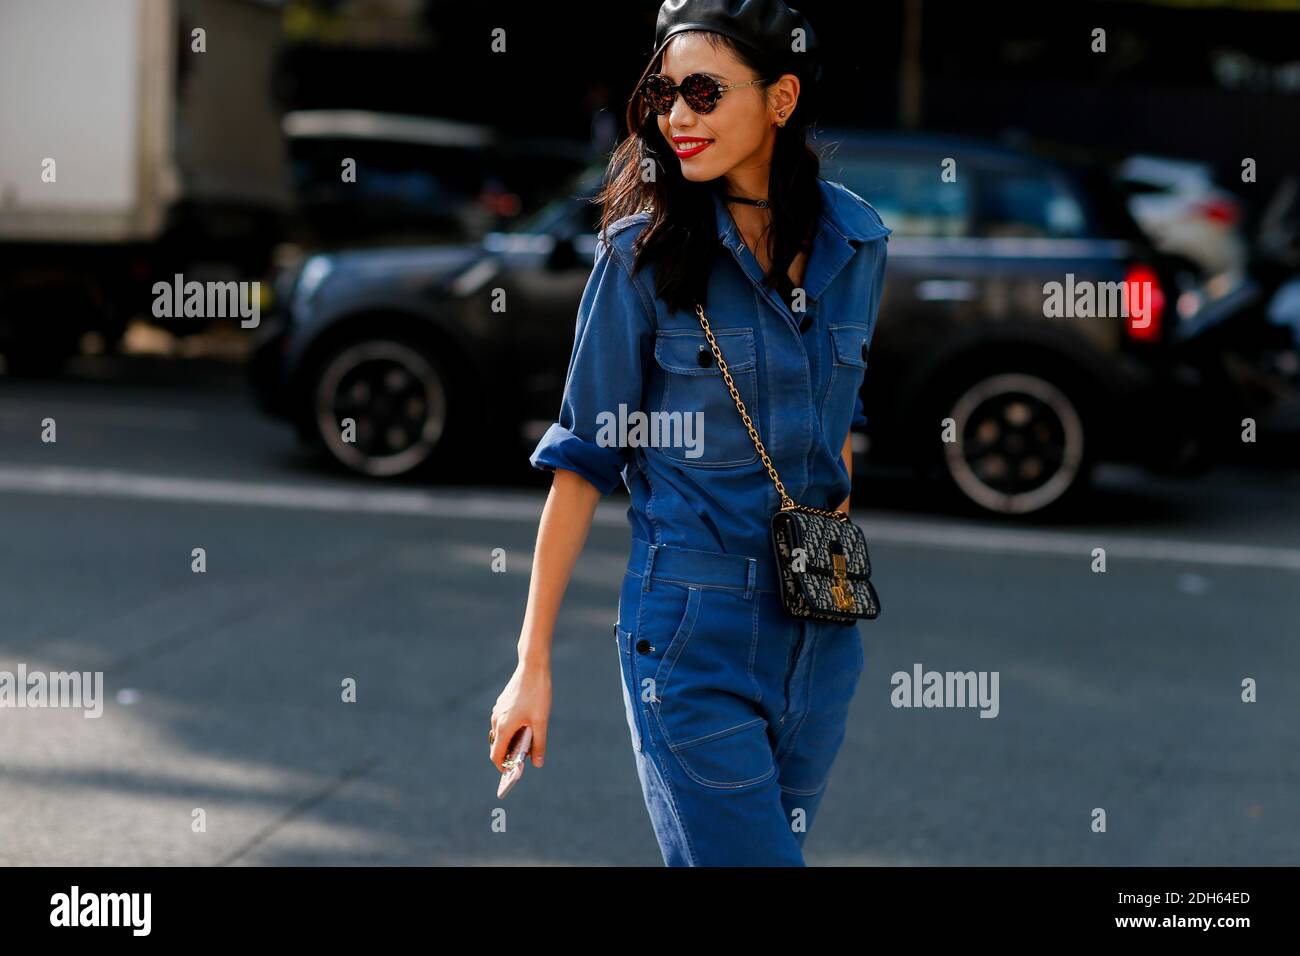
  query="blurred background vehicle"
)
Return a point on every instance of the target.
[
  {"x": 963, "y": 332},
  {"x": 1248, "y": 321},
  {"x": 1278, "y": 269},
  {"x": 416, "y": 178},
  {"x": 177, "y": 167},
  {"x": 1194, "y": 222},
  {"x": 411, "y": 173},
  {"x": 403, "y": 342}
]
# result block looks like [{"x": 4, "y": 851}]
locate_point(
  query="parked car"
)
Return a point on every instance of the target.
[
  {"x": 1250, "y": 320},
  {"x": 416, "y": 176},
  {"x": 1187, "y": 216},
  {"x": 406, "y": 342}
]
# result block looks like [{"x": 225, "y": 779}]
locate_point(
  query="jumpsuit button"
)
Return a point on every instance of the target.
[
  {"x": 643, "y": 646},
  {"x": 704, "y": 357}
]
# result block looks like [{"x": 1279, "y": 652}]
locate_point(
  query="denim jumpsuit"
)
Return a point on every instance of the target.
[{"x": 735, "y": 710}]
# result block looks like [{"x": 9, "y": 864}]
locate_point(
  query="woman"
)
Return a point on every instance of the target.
[{"x": 735, "y": 710}]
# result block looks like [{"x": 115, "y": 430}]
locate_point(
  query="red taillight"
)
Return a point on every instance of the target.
[
  {"x": 1220, "y": 211},
  {"x": 1144, "y": 303},
  {"x": 501, "y": 203}
]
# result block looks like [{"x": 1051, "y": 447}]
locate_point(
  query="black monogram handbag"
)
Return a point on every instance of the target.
[{"x": 821, "y": 555}]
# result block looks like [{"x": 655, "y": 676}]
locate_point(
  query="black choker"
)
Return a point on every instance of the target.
[{"x": 760, "y": 203}]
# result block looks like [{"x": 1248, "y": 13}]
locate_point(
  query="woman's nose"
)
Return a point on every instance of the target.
[{"x": 681, "y": 114}]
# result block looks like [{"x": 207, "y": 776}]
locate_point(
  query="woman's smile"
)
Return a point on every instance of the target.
[{"x": 685, "y": 146}]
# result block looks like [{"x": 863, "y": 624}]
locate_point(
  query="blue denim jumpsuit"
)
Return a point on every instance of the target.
[{"x": 735, "y": 710}]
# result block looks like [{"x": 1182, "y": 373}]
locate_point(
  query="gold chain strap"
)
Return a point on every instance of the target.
[{"x": 787, "y": 503}]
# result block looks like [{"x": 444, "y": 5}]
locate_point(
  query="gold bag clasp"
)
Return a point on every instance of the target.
[{"x": 841, "y": 590}]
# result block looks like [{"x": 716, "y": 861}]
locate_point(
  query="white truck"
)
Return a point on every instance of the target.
[{"x": 138, "y": 139}]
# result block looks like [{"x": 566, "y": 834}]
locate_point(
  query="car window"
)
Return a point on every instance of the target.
[
  {"x": 908, "y": 193},
  {"x": 1028, "y": 205},
  {"x": 560, "y": 210},
  {"x": 546, "y": 219}
]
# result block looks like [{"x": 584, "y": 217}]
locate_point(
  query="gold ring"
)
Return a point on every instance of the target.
[{"x": 492, "y": 736}]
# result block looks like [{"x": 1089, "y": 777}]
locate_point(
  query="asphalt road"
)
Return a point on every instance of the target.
[{"x": 1119, "y": 691}]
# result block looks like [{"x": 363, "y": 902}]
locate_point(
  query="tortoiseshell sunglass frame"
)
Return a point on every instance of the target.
[{"x": 700, "y": 91}]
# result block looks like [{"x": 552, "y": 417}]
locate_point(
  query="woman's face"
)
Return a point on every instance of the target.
[{"x": 736, "y": 134}]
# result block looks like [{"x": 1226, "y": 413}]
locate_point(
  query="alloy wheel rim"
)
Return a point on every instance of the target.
[
  {"x": 397, "y": 400},
  {"x": 1019, "y": 443}
]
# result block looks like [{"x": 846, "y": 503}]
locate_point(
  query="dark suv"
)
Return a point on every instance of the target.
[{"x": 991, "y": 362}]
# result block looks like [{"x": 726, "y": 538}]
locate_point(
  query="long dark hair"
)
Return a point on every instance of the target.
[{"x": 681, "y": 237}]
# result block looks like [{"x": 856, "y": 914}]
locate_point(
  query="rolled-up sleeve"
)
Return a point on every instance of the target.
[{"x": 613, "y": 336}]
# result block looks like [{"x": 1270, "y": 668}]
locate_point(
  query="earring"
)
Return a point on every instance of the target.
[{"x": 782, "y": 115}]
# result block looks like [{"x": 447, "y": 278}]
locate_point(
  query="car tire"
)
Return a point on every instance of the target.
[
  {"x": 37, "y": 360},
  {"x": 397, "y": 395},
  {"x": 1020, "y": 443},
  {"x": 44, "y": 330}
]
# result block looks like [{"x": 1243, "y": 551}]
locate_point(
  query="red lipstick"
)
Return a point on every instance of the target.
[{"x": 685, "y": 146}]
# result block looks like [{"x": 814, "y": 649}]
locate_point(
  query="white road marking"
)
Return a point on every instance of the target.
[
  {"x": 1080, "y": 544},
  {"x": 30, "y": 414},
  {"x": 526, "y": 507},
  {"x": 107, "y": 483}
]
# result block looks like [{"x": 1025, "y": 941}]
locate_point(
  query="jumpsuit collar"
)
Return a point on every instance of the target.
[{"x": 843, "y": 223}]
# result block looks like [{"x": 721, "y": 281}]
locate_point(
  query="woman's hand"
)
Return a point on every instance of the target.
[{"x": 525, "y": 702}]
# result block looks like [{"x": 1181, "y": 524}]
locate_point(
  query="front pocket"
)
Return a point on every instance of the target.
[
  {"x": 851, "y": 345},
  {"x": 699, "y": 417},
  {"x": 705, "y": 702},
  {"x": 733, "y": 757},
  {"x": 849, "y": 353},
  {"x": 627, "y": 677},
  {"x": 685, "y": 627},
  {"x": 665, "y": 617}
]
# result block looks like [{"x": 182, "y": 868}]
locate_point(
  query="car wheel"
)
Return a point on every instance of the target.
[
  {"x": 38, "y": 359},
  {"x": 396, "y": 397},
  {"x": 45, "y": 332},
  {"x": 1019, "y": 444}
]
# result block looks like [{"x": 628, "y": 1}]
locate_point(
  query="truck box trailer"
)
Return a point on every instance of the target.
[{"x": 139, "y": 139}]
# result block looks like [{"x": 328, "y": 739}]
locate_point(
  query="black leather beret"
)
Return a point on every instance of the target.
[{"x": 766, "y": 25}]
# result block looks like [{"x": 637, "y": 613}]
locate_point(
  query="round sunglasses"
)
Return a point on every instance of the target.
[{"x": 700, "y": 91}]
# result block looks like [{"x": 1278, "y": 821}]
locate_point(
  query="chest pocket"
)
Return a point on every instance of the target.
[
  {"x": 697, "y": 415},
  {"x": 849, "y": 347}
]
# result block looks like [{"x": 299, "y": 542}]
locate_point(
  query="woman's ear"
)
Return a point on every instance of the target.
[{"x": 783, "y": 97}]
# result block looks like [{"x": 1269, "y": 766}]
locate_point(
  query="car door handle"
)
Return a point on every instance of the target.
[{"x": 945, "y": 290}]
